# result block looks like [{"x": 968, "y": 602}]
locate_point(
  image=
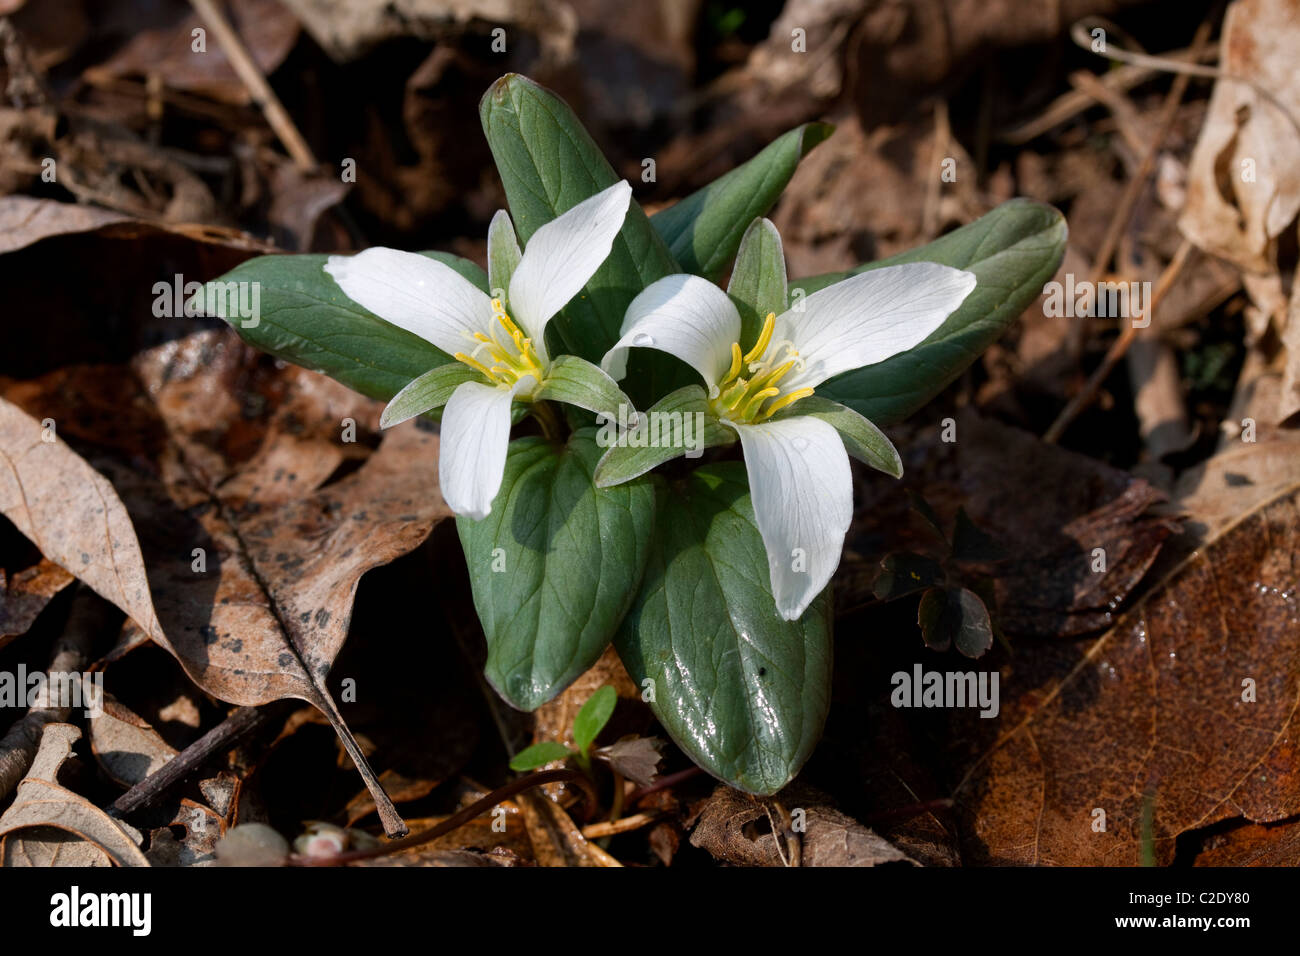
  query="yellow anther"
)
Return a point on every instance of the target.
[
  {"x": 473, "y": 363},
  {"x": 506, "y": 324},
  {"x": 736, "y": 362},
  {"x": 764, "y": 337},
  {"x": 503, "y": 361},
  {"x": 784, "y": 402},
  {"x": 759, "y": 398}
]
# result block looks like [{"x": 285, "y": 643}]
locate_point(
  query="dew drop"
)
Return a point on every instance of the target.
[
  {"x": 799, "y": 443},
  {"x": 642, "y": 340}
]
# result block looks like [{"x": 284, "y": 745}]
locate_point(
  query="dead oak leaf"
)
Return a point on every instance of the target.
[
  {"x": 254, "y": 601},
  {"x": 1191, "y": 698}
]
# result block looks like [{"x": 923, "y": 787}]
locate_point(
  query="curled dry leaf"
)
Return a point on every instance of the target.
[
  {"x": 24, "y": 220},
  {"x": 636, "y": 758},
  {"x": 24, "y": 595},
  {"x": 48, "y": 825},
  {"x": 1243, "y": 190},
  {"x": 738, "y": 828},
  {"x": 1250, "y": 136},
  {"x": 1191, "y": 696},
  {"x": 251, "y": 571},
  {"x": 124, "y": 745},
  {"x": 201, "y": 829}
]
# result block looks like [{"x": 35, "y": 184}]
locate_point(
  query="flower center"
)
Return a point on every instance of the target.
[
  {"x": 506, "y": 355},
  {"x": 756, "y": 395}
]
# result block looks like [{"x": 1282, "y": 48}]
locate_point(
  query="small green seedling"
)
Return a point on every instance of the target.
[{"x": 587, "y": 725}]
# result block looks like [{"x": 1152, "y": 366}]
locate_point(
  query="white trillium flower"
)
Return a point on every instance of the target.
[
  {"x": 799, "y": 475},
  {"x": 500, "y": 343}
]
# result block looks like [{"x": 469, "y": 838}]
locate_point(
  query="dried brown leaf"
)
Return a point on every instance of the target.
[
  {"x": 738, "y": 828},
  {"x": 125, "y": 746},
  {"x": 24, "y": 595},
  {"x": 1191, "y": 696},
  {"x": 48, "y": 825},
  {"x": 283, "y": 557}
]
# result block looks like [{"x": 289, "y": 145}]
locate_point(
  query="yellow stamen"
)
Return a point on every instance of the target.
[
  {"x": 784, "y": 402},
  {"x": 511, "y": 329},
  {"x": 764, "y": 337},
  {"x": 736, "y": 362},
  {"x": 759, "y": 398},
  {"x": 473, "y": 363}
]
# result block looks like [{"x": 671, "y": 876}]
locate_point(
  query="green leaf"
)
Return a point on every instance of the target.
[
  {"x": 678, "y": 424},
  {"x": 704, "y": 229},
  {"x": 503, "y": 255},
  {"x": 593, "y": 717},
  {"x": 306, "y": 319},
  {"x": 577, "y": 382},
  {"x": 955, "y": 616},
  {"x": 741, "y": 691},
  {"x": 863, "y": 440},
  {"x": 431, "y": 390},
  {"x": 758, "y": 280},
  {"x": 1012, "y": 250},
  {"x": 555, "y": 565},
  {"x": 548, "y": 164},
  {"x": 539, "y": 755}
]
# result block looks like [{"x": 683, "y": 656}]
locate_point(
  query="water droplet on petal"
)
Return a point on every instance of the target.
[
  {"x": 642, "y": 340},
  {"x": 799, "y": 442}
]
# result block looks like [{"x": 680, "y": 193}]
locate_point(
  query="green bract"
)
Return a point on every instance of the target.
[{"x": 603, "y": 530}]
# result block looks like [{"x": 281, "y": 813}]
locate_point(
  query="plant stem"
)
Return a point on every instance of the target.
[{"x": 458, "y": 819}]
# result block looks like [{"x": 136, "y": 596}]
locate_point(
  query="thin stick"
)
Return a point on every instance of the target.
[
  {"x": 1118, "y": 223},
  {"x": 457, "y": 819},
  {"x": 609, "y": 828},
  {"x": 1117, "y": 348},
  {"x": 1079, "y": 33},
  {"x": 251, "y": 75},
  {"x": 1068, "y": 105},
  {"x": 236, "y": 727}
]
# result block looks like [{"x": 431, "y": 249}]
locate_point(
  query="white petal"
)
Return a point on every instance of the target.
[
  {"x": 472, "y": 449},
  {"x": 802, "y": 489},
  {"x": 415, "y": 293},
  {"x": 563, "y": 255},
  {"x": 869, "y": 317},
  {"x": 682, "y": 315}
]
